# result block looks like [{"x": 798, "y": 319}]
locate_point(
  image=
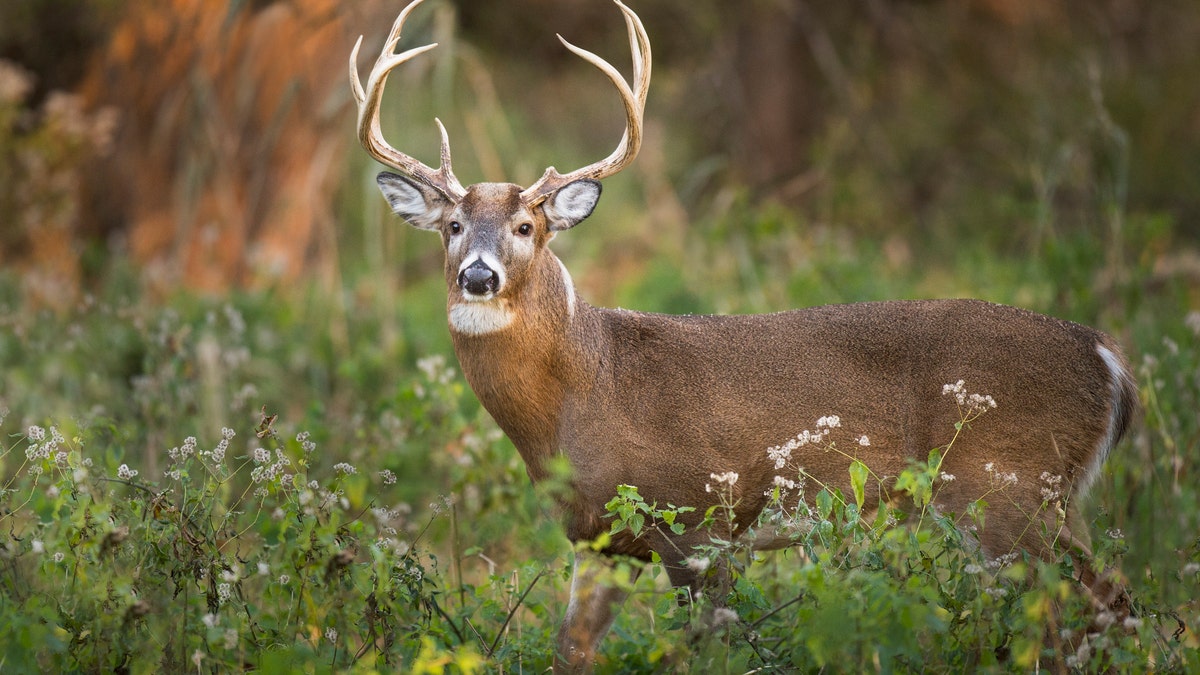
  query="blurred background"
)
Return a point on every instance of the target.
[
  {"x": 210, "y": 144},
  {"x": 189, "y": 230}
]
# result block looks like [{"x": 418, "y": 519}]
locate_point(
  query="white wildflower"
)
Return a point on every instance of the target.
[
  {"x": 829, "y": 421},
  {"x": 1191, "y": 320},
  {"x": 284, "y": 579},
  {"x": 125, "y": 472},
  {"x": 331, "y": 634},
  {"x": 263, "y": 569},
  {"x": 37, "y": 546},
  {"x": 980, "y": 402},
  {"x": 35, "y": 433},
  {"x": 780, "y": 454},
  {"x": 1003, "y": 561},
  {"x": 58, "y": 556},
  {"x": 210, "y": 620},
  {"x": 1051, "y": 491},
  {"x": 697, "y": 563},
  {"x": 975, "y": 403},
  {"x": 728, "y": 477},
  {"x": 218, "y": 453},
  {"x": 1000, "y": 479},
  {"x": 864, "y": 441},
  {"x": 972, "y": 568},
  {"x": 946, "y": 477},
  {"x": 784, "y": 483},
  {"x": 224, "y": 593},
  {"x": 262, "y": 455},
  {"x": 306, "y": 445},
  {"x": 344, "y": 468},
  {"x": 723, "y": 615},
  {"x": 388, "y": 477}
]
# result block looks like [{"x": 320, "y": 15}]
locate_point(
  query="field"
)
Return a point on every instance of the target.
[{"x": 295, "y": 477}]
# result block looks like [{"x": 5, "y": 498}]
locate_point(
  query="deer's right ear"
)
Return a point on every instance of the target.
[{"x": 420, "y": 205}]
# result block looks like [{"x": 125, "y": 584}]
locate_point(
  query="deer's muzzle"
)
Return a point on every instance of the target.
[{"x": 478, "y": 279}]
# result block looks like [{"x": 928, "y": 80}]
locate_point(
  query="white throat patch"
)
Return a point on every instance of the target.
[
  {"x": 480, "y": 318},
  {"x": 569, "y": 289}
]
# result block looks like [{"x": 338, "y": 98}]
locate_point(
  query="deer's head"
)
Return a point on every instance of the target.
[{"x": 494, "y": 234}]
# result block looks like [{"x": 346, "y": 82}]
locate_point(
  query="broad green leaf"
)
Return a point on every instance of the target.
[
  {"x": 824, "y": 504},
  {"x": 858, "y": 481}
]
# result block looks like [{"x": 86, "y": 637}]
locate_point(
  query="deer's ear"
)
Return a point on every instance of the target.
[
  {"x": 571, "y": 203},
  {"x": 420, "y": 205}
]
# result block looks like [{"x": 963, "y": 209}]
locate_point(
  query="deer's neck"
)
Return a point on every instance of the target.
[{"x": 520, "y": 356}]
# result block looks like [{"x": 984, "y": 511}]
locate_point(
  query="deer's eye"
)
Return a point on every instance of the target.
[
  {"x": 455, "y": 227},
  {"x": 525, "y": 229}
]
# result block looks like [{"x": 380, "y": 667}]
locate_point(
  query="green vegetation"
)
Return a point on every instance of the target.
[
  {"x": 382, "y": 521},
  {"x": 295, "y": 479}
]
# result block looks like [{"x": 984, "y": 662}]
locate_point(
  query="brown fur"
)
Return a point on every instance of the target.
[{"x": 662, "y": 402}]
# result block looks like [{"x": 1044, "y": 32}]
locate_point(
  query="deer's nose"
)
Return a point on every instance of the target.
[{"x": 478, "y": 279}]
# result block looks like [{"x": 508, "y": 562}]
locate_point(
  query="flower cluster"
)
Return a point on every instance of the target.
[
  {"x": 972, "y": 405},
  {"x": 41, "y": 447},
  {"x": 185, "y": 451},
  {"x": 727, "y": 478},
  {"x": 224, "y": 592},
  {"x": 268, "y": 471},
  {"x": 436, "y": 372},
  {"x": 217, "y": 454},
  {"x": 306, "y": 445},
  {"x": 780, "y": 454},
  {"x": 1052, "y": 490},
  {"x": 999, "y": 479}
]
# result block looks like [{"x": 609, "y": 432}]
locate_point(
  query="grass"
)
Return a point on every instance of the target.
[{"x": 386, "y": 523}]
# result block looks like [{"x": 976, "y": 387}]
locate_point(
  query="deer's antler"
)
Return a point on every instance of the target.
[
  {"x": 369, "y": 101},
  {"x": 634, "y": 99}
]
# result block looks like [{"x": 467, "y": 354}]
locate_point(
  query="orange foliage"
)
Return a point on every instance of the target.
[{"x": 233, "y": 133}]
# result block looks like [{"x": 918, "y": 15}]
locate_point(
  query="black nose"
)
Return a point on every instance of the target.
[{"x": 478, "y": 279}]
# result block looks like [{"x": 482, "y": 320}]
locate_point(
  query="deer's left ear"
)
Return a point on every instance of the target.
[{"x": 571, "y": 203}]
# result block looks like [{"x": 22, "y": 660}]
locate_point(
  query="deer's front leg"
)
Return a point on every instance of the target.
[{"x": 596, "y": 595}]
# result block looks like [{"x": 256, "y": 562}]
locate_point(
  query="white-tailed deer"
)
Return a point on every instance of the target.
[{"x": 663, "y": 402}]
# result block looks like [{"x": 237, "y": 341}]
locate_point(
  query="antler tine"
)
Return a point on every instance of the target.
[
  {"x": 370, "y": 100},
  {"x": 634, "y": 99}
]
